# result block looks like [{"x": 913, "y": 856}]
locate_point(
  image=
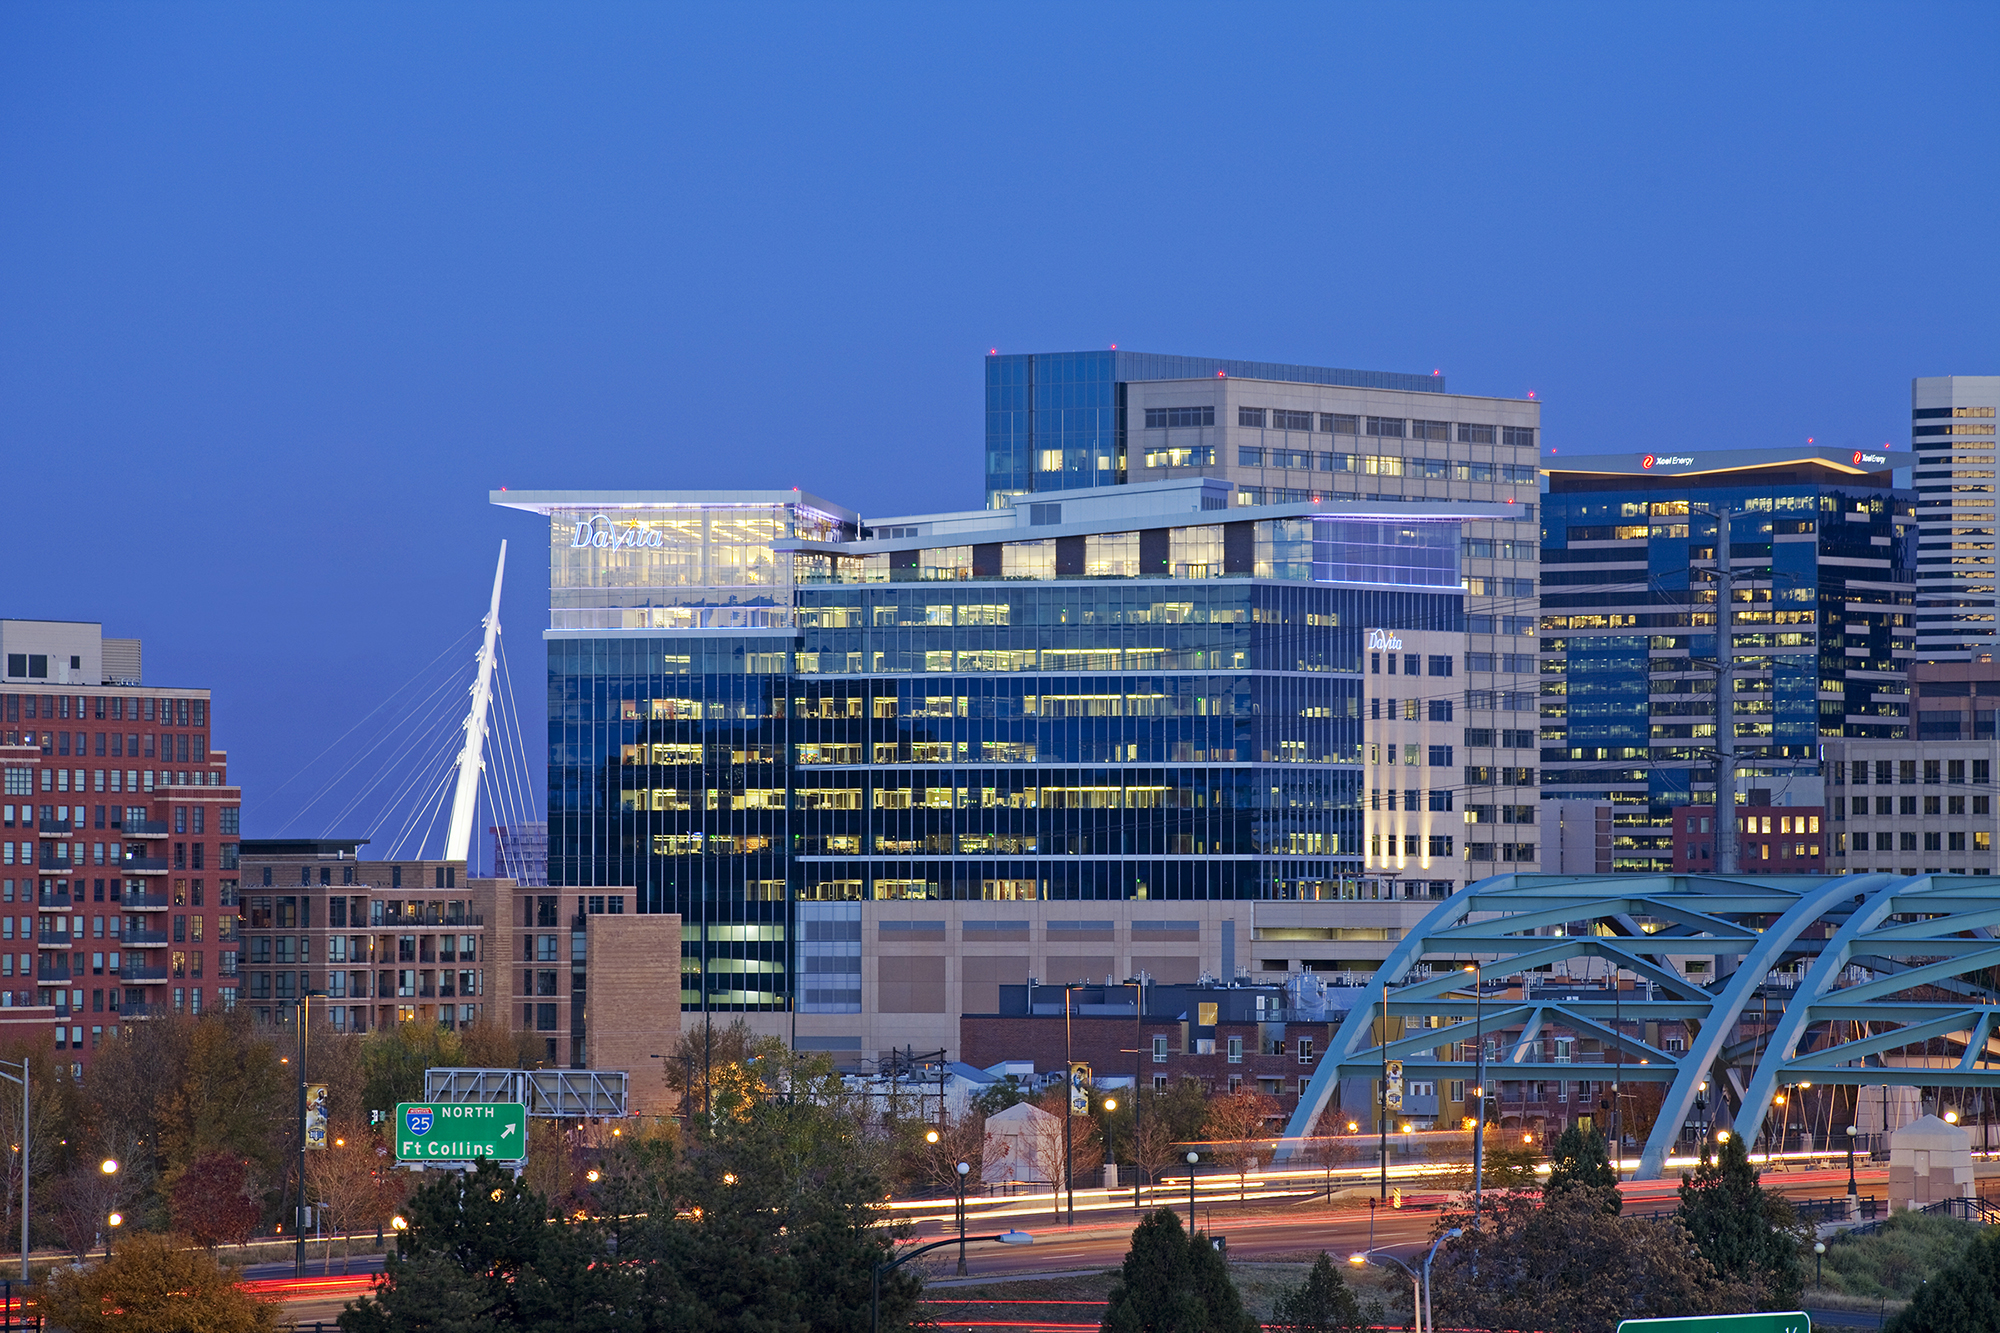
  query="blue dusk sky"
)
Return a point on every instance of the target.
[{"x": 286, "y": 289}]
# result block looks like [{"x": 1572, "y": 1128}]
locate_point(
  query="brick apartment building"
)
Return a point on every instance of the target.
[
  {"x": 1771, "y": 840},
  {"x": 378, "y": 943},
  {"x": 374, "y": 942},
  {"x": 118, "y": 842},
  {"x": 1224, "y": 1037}
]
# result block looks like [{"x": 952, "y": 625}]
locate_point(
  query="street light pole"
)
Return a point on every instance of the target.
[
  {"x": 1069, "y": 1114},
  {"x": 1416, "y": 1283},
  {"x": 23, "y": 1080},
  {"x": 1192, "y": 1158},
  {"x": 1382, "y": 1105},
  {"x": 1478, "y": 1094},
  {"x": 299, "y": 1218},
  {"x": 1420, "y": 1288},
  {"x": 1453, "y": 1234},
  {"x": 109, "y": 1166},
  {"x": 963, "y": 1169},
  {"x": 1138, "y": 1072}
]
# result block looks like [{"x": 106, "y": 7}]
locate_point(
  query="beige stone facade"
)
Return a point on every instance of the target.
[{"x": 632, "y": 1015}]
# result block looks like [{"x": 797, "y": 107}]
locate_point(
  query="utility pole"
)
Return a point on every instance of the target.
[
  {"x": 1478, "y": 1093},
  {"x": 1069, "y": 1108},
  {"x": 299, "y": 1218},
  {"x": 1725, "y": 704},
  {"x": 1382, "y": 1102}
]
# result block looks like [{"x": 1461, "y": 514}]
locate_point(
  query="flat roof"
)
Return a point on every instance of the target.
[
  {"x": 546, "y": 502},
  {"x": 1132, "y": 367},
  {"x": 301, "y": 846},
  {"x": 1703, "y": 462},
  {"x": 1360, "y": 511}
]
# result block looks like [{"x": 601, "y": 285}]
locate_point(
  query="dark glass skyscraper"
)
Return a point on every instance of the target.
[{"x": 1823, "y": 548}]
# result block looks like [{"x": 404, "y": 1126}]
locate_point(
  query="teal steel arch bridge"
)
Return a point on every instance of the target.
[{"x": 1856, "y": 979}]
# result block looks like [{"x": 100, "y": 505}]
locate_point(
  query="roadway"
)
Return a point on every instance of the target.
[{"x": 1278, "y": 1221}]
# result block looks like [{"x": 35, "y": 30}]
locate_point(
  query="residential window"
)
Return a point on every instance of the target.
[
  {"x": 1283, "y": 420},
  {"x": 1250, "y": 416},
  {"x": 1518, "y": 437},
  {"x": 1388, "y": 428},
  {"x": 1250, "y": 457},
  {"x": 1159, "y": 1049},
  {"x": 1236, "y": 1050},
  {"x": 1474, "y": 433},
  {"x": 1339, "y": 423},
  {"x": 1430, "y": 430}
]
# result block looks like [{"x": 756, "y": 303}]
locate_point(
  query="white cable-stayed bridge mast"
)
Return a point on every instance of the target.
[{"x": 472, "y": 757}]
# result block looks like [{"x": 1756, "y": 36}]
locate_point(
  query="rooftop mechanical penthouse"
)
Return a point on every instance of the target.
[{"x": 881, "y": 775}]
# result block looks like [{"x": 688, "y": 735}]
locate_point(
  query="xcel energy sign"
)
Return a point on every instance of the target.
[{"x": 461, "y": 1131}]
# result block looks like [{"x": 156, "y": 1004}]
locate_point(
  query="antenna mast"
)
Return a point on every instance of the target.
[{"x": 471, "y": 759}]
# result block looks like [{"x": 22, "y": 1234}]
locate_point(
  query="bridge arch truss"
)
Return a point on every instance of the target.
[{"x": 1858, "y": 979}]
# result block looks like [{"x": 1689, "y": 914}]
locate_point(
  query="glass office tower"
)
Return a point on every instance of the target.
[
  {"x": 758, "y": 714},
  {"x": 1823, "y": 548},
  {"x": 1056, "y": 420}
]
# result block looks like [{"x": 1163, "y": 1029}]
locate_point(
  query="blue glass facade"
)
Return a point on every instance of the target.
[
  {"x": 1056, "y": 420},
  {"x": 1822, "y": 633},
  {"x": 1164, "y": 714}
]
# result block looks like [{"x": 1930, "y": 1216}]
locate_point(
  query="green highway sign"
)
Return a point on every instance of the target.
[
  {"x": 461, "y": 1131},
  {"x": 1792, "y": 1321}
]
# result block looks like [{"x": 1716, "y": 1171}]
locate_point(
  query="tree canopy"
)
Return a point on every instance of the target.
[
  {"x": 153, "y": 1284},
  {"x": 761, "y": 1220},
  {"x": 1174, "y": 1282},
  {"x": 1964, "y": 1298},
  {"x": 1743, "y": 1229},
  {"x": 1323, "y": 1303},
  {"x": 1565, "y": 1265},
  {"x": 1580, "y": 1163}
]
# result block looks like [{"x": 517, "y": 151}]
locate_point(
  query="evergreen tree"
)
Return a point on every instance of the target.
[
  {"x": 1741, "y": 1228},
  {"x": 764, "y": 1222},
  {"x": 1174, "y": 1282},
  {"x": 1964, "y": 1298},
  {"x": 1581, "y": 1163},
  {"x": 1323, "y": 1303},
  {"x": 473, "y": 1237}
]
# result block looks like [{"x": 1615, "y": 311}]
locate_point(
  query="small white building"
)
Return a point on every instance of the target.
[{"x": 1017, "y": 1146}]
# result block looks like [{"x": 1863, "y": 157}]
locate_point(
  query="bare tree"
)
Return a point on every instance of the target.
[
  {"x": 1154, "y": 1149},
  {"x": 1045, "y": 1142},
  {"x": 84, "y": 1199},
  {"x": 347, "y": 1181},
  {"x": 1237, "y": 1124}
]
